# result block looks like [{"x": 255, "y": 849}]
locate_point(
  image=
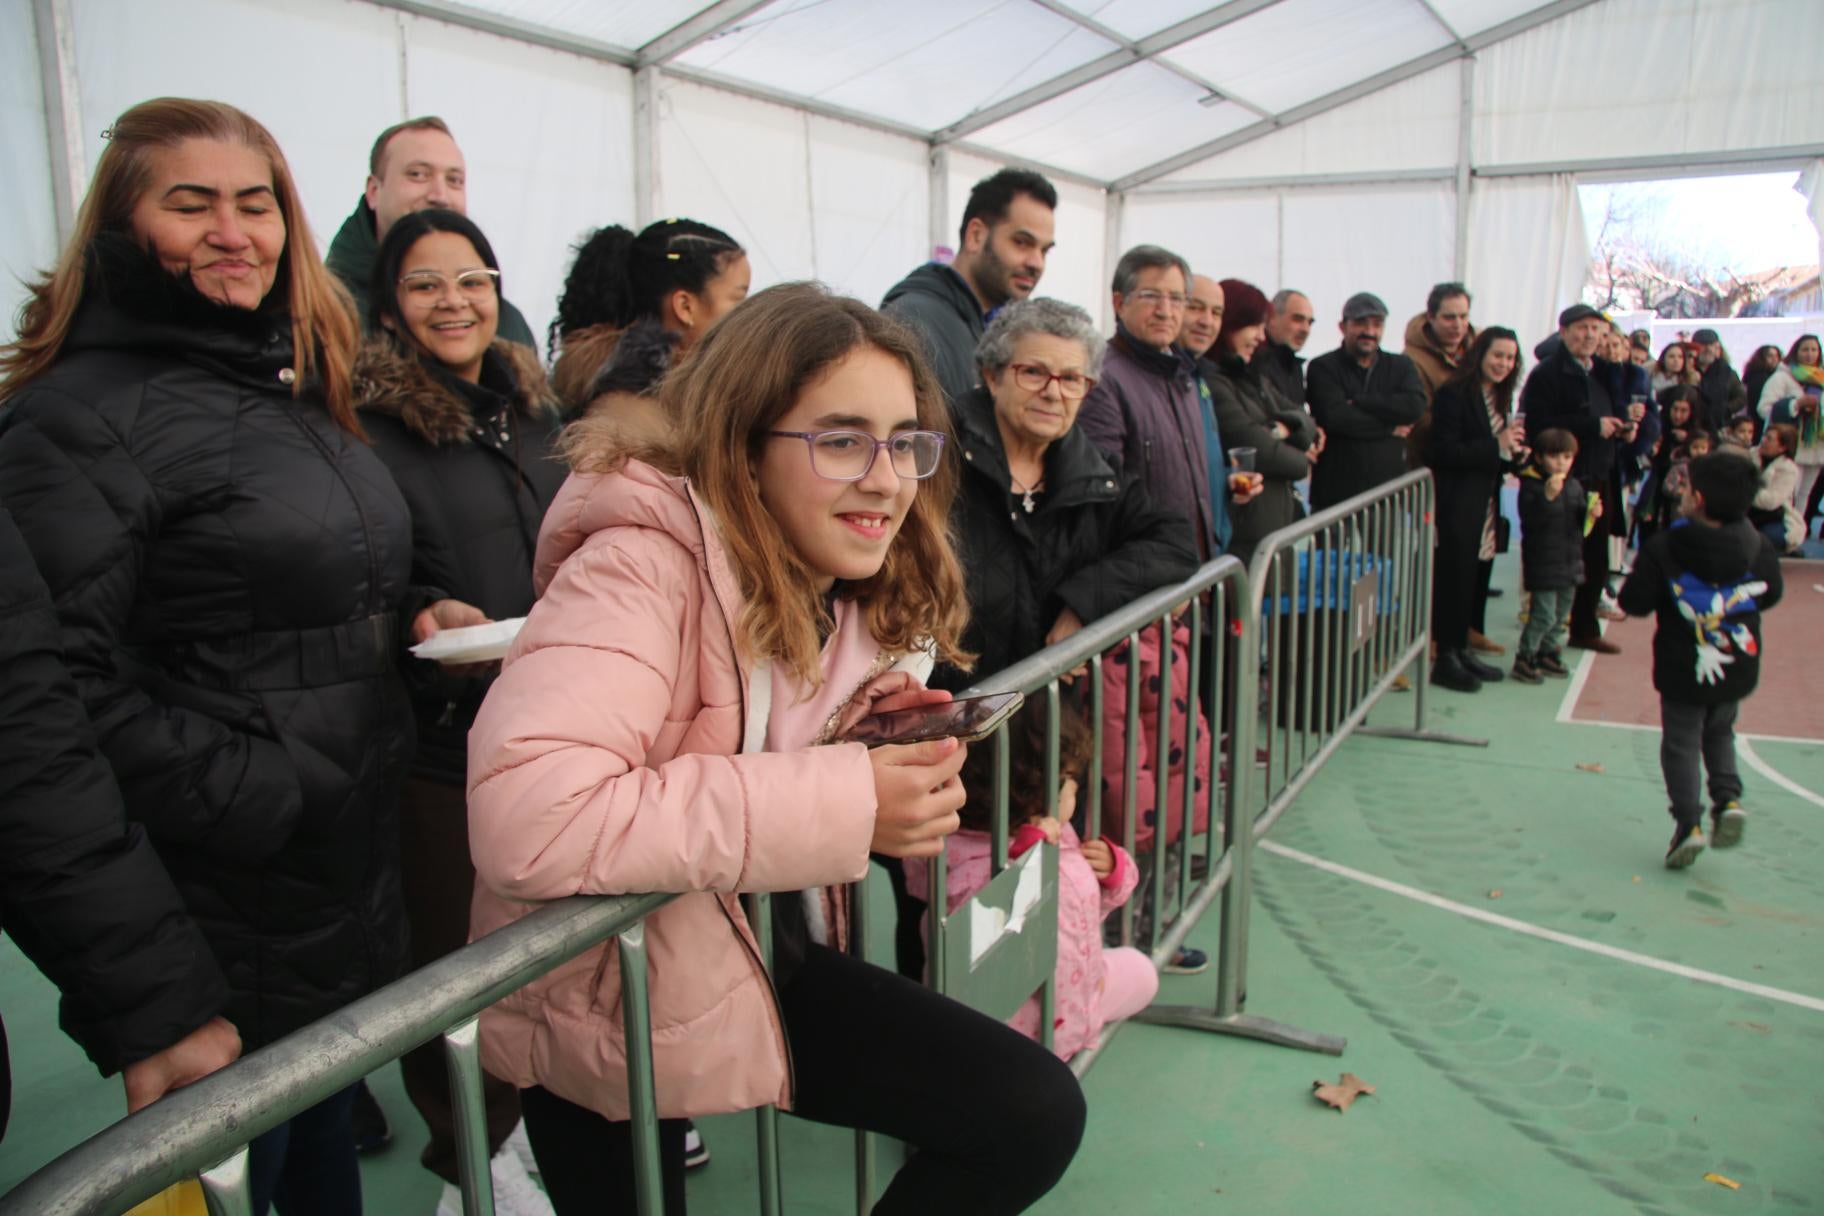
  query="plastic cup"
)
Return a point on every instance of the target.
[{"x": 1242, "y": 459}]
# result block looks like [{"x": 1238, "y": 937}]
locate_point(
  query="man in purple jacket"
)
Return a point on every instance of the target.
[{"x": 1145, "y": 410}]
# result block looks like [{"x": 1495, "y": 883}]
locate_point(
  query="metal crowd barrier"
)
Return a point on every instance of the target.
[
  {"x": 1339, "y": 609},
  {"x": 1209, "y": 601},
  {"x": 205, "y": 1127},
  {"x": 1337, "y": 604}
]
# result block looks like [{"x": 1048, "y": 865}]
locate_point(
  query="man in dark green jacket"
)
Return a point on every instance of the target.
[{"x": 414, "y": 166}]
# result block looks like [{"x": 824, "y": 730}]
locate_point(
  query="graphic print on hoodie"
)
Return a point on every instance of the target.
[
  {"x": 1708, "y": 585},
  {"x": 1719, "y": 633}
]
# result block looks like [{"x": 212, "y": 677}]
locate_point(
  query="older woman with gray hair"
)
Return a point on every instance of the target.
[{"x": 1053, "y": 533}]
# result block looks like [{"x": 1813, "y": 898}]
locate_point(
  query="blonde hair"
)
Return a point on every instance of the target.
[
  {"x": 323, "y": 328},
  {"x": 722, "y": 399}
]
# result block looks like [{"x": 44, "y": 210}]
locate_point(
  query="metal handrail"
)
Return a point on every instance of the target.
[{"x": 192, "y": 1129}]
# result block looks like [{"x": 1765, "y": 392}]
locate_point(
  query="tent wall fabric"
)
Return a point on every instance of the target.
[{"x": 1331, "y": 144}]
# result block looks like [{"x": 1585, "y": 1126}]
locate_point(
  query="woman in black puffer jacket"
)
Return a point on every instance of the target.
[
  {"x": 228, "y": 560},
  {"x": 466, "y": 424}
]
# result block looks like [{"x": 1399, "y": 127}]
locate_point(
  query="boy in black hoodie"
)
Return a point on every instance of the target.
[{"x": 1709, "y": 577}]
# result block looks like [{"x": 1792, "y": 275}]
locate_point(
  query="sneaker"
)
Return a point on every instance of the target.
[
  {"x": 1550, "y": 664},
  {"x": 1727, "y": 823},
  {"x": 1687, "y": 843},
  {"x": 696, "y": 1153},
  {"x": 372, "y": 1132},
  {"x": 515, "y": 1194},
  {"x": 1525, "y": 672},
  {"x": 1608, "y": 610},
  {"x": 1187, "y": 962}
]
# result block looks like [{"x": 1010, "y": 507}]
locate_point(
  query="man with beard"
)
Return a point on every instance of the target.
[
  {"x": 1005, "y": 238},
  {"x": 1366, "y": 400},
  {"x": 1723, "y": 393},
  {"x": 1277, "y": 359}
]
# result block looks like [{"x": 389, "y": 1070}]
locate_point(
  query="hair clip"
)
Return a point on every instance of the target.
[{"x": 107, "y": 132}]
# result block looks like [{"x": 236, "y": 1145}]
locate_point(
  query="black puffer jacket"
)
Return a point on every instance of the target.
[
  {"x": 81, "y": 890},
  {"x": 1551, "y": 532},
  {"x": 226, "y": 564},
  {"x": 1094, "y": 542},
  {"x": 475, "y": 464}
]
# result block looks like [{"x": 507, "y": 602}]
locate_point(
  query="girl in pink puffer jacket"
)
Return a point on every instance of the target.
[{"x": 714, "y": 613}]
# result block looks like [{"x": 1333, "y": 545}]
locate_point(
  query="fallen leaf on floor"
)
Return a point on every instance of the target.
[
  {"x": 1590, "y": 766},
  {"x": 1637, "y": 878},
  {"x": 1757, "y": 1027},
  {"x": 1731, "y": 1183},
  {"x": 1495, "y": 894},
  {"x": 1342, "y": 1093}
]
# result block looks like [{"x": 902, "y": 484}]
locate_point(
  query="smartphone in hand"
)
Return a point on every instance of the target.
[{"x": 969, "y": 720}]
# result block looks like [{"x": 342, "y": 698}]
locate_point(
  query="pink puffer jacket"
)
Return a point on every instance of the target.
[{"x": 618, "y": 752}]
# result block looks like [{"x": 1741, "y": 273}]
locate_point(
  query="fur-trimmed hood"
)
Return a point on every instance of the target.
[{"x": 437, "y": 408}]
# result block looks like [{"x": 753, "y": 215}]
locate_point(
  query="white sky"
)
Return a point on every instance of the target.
[{"x": 1745, "y": 223}]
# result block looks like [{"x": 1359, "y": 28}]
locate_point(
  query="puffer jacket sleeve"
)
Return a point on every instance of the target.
[
  {"x": 1147, "y": 547},
  {"x": 91, "y": 518},
  {"x": 81, "y": 890},
  {"x": 1242, "y": 427},
  {"x": 561, "y": 801}
]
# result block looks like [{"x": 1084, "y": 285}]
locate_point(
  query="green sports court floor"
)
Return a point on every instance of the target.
[{"x": 1553, "y": 1022}]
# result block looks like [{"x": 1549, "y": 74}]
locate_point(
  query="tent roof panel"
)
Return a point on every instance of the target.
[
  {"x": 1117, "y": 124},
  {"x": 624, "y": 23},
  {"x": 1473, "y": 16},
  {"x": 1298, "y": 50},
  {"x": 923, "y": 65},
  {"x": 1137, "y": 19}
]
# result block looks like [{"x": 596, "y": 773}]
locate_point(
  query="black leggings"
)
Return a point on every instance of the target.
[{"x": 993, "y": 1118}]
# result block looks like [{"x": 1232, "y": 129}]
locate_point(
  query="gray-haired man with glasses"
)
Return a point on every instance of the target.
[{"x": 1145, "y": 408}]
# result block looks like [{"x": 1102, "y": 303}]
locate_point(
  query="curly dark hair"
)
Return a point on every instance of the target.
[
  {"x": 1025, "y": 764},
  {"x": 618, "y": 278}
]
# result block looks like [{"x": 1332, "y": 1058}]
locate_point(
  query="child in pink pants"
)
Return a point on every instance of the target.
[{"x": 1095, "y": 985}]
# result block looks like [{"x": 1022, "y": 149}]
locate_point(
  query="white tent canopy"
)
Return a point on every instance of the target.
[{"x": 1332, "y": 145}]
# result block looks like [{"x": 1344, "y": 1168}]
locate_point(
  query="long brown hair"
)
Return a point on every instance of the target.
[
  {"x": 1468, "y": 376},
  {"x": 722, "y": 399},
  {"x": 323, "y": 329}
]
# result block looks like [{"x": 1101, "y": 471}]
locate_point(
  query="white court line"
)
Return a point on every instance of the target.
[
  {"x": 1551, "y": 935},
  {"x": 1579, "y": 678},
  {"x": 1746, "y": 750}
]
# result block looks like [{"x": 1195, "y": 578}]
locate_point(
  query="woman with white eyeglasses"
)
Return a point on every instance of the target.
[
  {"x": 716, "y": 610},
  {"x": 463, "y": 420}
]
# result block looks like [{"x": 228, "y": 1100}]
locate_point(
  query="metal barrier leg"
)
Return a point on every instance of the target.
[
  {"x": 227, "y": 1189},
  {"x": 766, "y": 1119},
  {"x": 462, "y": 1052},
  {"x": 642, "y": 1101},
  {"x": 864, "y": 1141}
]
